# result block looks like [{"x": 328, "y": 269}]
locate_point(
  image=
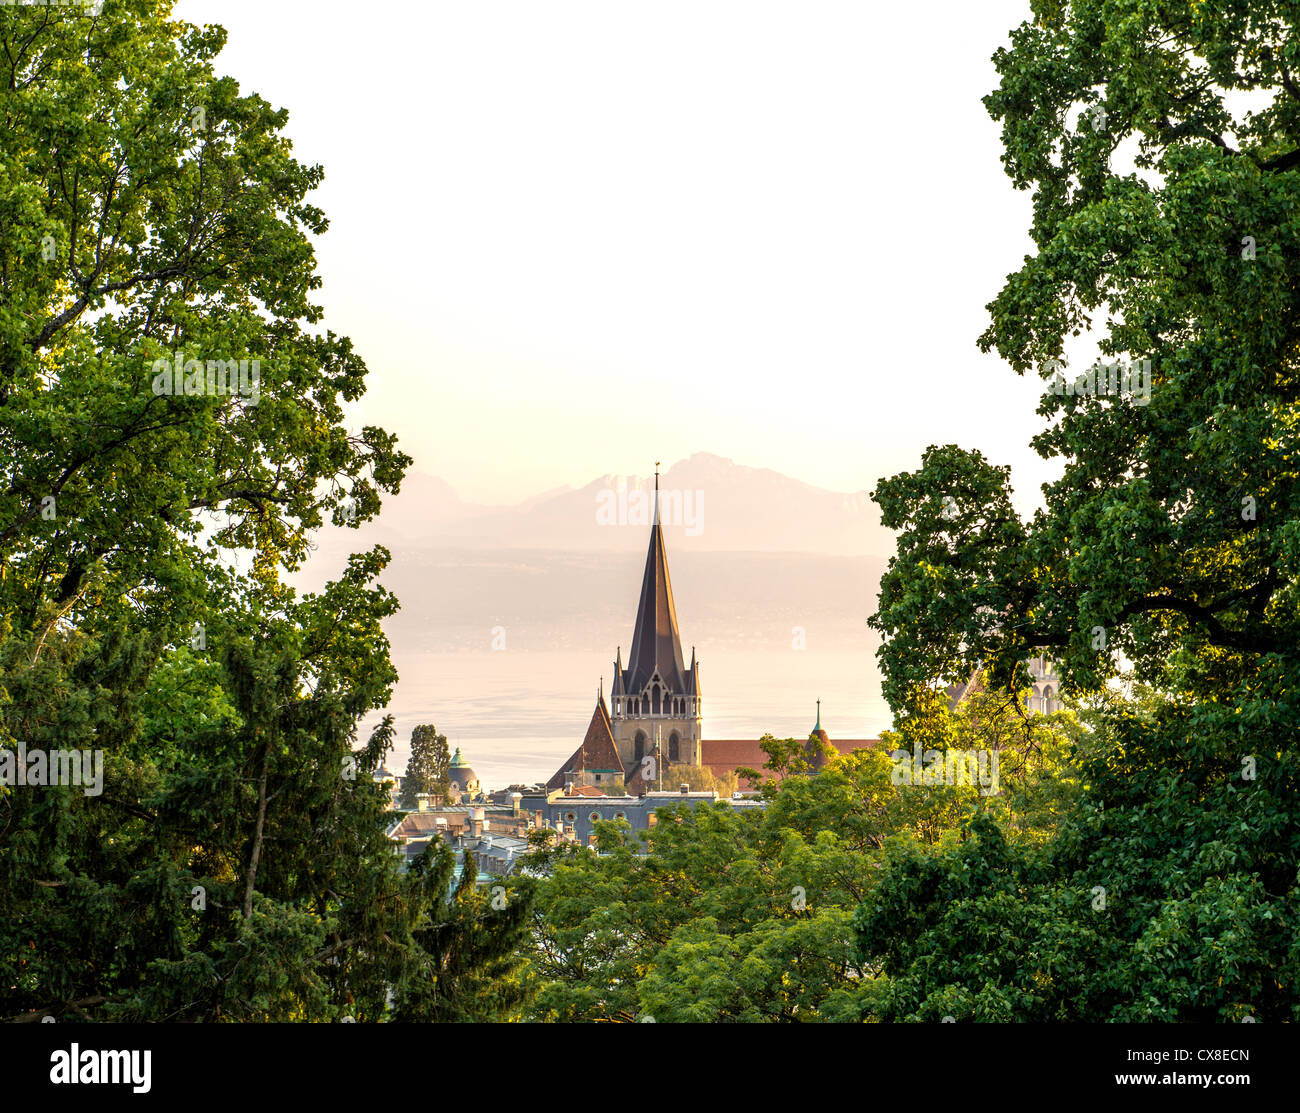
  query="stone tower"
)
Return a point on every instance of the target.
[{"x": 656, "y": 699}]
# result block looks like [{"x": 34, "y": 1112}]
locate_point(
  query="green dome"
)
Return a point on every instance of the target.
[{"x": 461, "y": 773}]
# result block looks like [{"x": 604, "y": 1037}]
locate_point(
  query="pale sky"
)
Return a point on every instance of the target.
[{"x": 571, "y": 238}]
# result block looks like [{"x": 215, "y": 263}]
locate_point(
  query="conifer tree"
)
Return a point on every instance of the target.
[{"x": 232, "y": 864}]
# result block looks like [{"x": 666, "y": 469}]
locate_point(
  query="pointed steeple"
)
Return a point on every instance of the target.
[
  {"x": 595, "y": 754},
  {"x": 655, "y": 641},
  {"x": 815, "y": 755}
]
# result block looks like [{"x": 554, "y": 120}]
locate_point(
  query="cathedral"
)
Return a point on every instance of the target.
[{"x": 655, "y": 703}]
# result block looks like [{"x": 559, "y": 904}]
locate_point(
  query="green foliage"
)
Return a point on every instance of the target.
[
  {"x": 1172, "y": 539},
  {"x": 235, "y": 865},
  {"x": 468, "y": 940},
  {"x": 721, "y": 913},
  {"x": 428, "y": 770},
  {"x": 698, "y": 778}
]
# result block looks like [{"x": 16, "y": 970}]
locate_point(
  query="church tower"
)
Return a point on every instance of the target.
[{"x": 656, "y": 699}]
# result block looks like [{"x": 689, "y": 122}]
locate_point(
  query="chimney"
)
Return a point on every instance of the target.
[
  {"x": 515, "y": 797},
  {"x": 476, "y": 823},
  {"x": 422, "y": 801}
]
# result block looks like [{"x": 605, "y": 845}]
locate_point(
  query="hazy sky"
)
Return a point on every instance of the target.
[{"x": 573, "y": 238}]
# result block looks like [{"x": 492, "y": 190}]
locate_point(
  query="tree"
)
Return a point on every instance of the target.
[
  {"x": 428, "y": 770},
  {"x": 1171, "y": 538},
  {"x": 469, "y": 939},
  {"x": 699, "y": 778},
  {"x": 234, "y": 865},
  {"x": 718, "y": 913}
]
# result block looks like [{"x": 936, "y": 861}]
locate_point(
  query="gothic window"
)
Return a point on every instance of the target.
[
  {"x": 672, "y": 747},
  {"x": 1048, "y": 699},
  {"x": 654, "y": 700},
  {"x": 639, "y": 751}
]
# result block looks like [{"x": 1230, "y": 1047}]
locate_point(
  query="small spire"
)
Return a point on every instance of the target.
[
  {"x": 656, "y": 517},
  {"x": 819, "y": 716}
]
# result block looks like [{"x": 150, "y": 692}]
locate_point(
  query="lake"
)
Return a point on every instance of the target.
[{"x": 517, "y": 715}]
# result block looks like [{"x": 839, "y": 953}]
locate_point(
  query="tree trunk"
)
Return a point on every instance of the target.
[{"x": 257, "y": 832}]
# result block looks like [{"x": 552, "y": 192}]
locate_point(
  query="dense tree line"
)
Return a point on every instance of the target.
[{"x": 234, "y": 864}]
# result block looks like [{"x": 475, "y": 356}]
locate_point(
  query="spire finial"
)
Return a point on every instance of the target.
[
  {"x": 819, "y": 716},
  {"x": 656, "y": 518}
]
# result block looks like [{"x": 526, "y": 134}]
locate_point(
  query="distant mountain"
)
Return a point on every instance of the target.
[{"x": 708, "y": 504}]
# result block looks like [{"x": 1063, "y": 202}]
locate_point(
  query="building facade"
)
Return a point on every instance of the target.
[
  {"x": 653, "y": 721},
  {"x": 656, "y": 700}
]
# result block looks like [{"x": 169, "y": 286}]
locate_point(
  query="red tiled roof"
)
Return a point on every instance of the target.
[
  {"x": 726, "y": 755},
  {"x": 596, "y": 752},
  {"x": 636, "y": 783}
]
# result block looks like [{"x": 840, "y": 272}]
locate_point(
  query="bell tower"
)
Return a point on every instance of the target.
[{"x": 656, "y": 695}]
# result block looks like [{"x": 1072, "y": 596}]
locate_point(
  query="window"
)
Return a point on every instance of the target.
[
  {"x": 593, "y": 817},
  {"x": 672, "y": 747},
  {"x": 620, "y": 815},
  {"x": 569, "y": 817},
  {"x": 640, "y": 746},
  {"x": 651, "y": 820}
]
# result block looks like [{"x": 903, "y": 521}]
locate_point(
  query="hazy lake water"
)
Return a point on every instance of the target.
[{"x": 517, "y": 715}]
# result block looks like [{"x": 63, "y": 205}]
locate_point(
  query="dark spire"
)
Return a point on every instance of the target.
[{"x": 655, "y": 641}]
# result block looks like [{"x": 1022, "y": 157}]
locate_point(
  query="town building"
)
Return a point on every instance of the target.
[
  {"x": 1044, "y": 695},
  {"x": 653, "y": 722}
]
